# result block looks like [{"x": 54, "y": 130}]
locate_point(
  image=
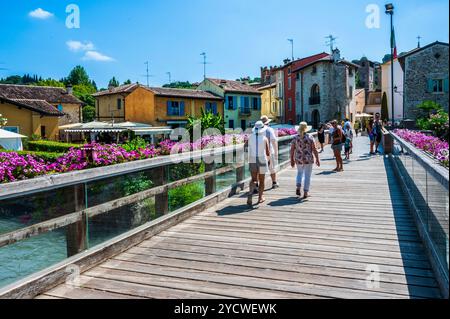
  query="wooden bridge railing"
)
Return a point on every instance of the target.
[{"x": 71, "y": 202}]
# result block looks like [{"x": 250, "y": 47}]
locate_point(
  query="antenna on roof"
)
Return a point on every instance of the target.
[
  {"x": 330, "y": 42},
  {"x": 204, "y": 64},
  {"x": 418, "y": 41},
  {"x": 170, "y": 77},
  {"x": 148, "y": 76}
]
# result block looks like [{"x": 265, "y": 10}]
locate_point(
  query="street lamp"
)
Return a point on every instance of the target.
[{"x": 390, "y": 11}]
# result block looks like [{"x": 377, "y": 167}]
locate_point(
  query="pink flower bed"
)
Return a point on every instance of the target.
[
  {"x": 15, "y": 167},
  {"x": 436, "y": 147}
]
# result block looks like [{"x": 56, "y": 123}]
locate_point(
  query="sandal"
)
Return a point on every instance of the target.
[{"x": 262, "y": 200}]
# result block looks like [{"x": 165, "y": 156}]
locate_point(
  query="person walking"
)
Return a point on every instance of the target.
[
  {"x": 378, "y": 131},
  {"x": 348, "y": 133},
  {"x": 336, "y": 145},
  {"x": 371, "y": 136},
  {"x": 273, "y": 147},
  {"x": 258, "y": 159},
  {"x": 303, "y": 152},
  {"x": 321, "y": 136}
]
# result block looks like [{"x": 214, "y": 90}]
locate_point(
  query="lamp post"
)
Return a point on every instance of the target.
[{"x": 390, "y": 11}]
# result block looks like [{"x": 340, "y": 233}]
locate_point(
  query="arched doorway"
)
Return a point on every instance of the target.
[{"x": 315, "y": 118}]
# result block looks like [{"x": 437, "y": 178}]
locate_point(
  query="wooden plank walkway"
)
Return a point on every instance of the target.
[{"x": 285, "y": 248}]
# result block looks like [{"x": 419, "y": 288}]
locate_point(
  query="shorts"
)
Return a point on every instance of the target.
[
  {"x": 337, "y": 147},
  {"x": 378, "y": 138},
  {"x": 260, "y": 168},
  {"x": 273, "y": 164},
  {"x": 347, "y": 148}
]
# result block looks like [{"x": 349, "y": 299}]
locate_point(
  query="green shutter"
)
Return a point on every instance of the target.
[
  {"x": 446, "y": 85},
  {"x": 430, "y": 86}
]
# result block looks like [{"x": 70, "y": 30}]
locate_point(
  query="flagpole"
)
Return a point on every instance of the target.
[{"x": 390, "y": 11}]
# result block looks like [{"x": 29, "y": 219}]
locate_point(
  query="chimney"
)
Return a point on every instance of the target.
[
  {"x": 336, "y": 55},
  {"x": 110, "y": 88},
  {"x": 69, "y": 89}
]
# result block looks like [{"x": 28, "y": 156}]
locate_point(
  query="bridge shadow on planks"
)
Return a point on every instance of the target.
[{"x": 411, "y": 261}]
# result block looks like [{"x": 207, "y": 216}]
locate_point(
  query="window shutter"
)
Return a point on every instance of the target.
[
  {"x": 169, "y": 108},
  {"x": 446, "y": 85},
  {"x": 259, "y": 103},
  {"x": 234, "y": 102},
  {"x": 214, "y": 108},
  {"x": 181, "y": 108},
  {"x": 429, "y": 85},
  {"x": 242, "y": 102}
]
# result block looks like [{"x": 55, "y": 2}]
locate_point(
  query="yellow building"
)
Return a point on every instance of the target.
[
  {"x": 30, "y": 117},
  {"x": 154, "y": 106},
  {"x": 38, "y": 110},
  {"x": 269, "y": 102}
]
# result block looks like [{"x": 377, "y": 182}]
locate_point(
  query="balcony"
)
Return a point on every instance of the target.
[
  {"x": 313, "y": 100},
  {"x": 245, "y": 111}
]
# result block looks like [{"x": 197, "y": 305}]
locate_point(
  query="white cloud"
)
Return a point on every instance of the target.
[
  {"x": 40, "y": 14},
  {"x": 96, "y": 56},
  {"x": 79, "y": 46}
]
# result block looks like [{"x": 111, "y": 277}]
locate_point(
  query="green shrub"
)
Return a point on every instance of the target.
[
  {"x": 135, "y": 144},
  {"x": 185, "y": 195},
  {"x": 50, "y": 146}
]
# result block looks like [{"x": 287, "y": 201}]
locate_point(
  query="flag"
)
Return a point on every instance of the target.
[{"x": 393, "y": 43}]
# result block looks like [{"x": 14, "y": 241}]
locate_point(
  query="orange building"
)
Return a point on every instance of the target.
[{"x": 154, "y": 106}]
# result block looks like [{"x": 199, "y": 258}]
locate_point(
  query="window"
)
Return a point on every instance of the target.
[
  {"x": 274, "y": 107},
  {"x": 289, "y": 83},
  {"x": 297, "y": 76},
  {"x": 314, "y": 95},
  {"x": 290, "y": 104},
  {"x": 119, "y": 104},
  {"x": 314, "y": 70},
  {"x": 231, "y": 105},
  {"x": 231, "y": 124},
  {"x": 350, "y": 91},
  {"x": 43, "y": 131},
  {"x": 211, "y": 107},
  {"x": 289, "y": 70},
  {"x": 438, "y": 86},
  {"x": 13, "y": 129},
  {"x": 175, "y": 108},
  {"x": 255, "y": 103}
]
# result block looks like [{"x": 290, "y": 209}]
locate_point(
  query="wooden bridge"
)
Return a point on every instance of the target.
[{"x": 353, "y": 238}]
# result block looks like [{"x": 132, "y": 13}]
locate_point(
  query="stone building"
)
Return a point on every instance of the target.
[
  {"x": 368, "y": 75},
  {"x": 425, "y": 77},
  {"x": 326, "y": 89}
]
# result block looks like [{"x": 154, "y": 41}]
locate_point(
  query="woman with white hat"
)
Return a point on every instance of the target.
[
  {"x": 303, "y": 151},
  {"x": 258, "y": 159}
]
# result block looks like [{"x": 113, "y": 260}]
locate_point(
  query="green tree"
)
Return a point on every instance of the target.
[
  {"x": 384, "y": 108},
  {"x": 207, "y": 120},
  {"x": 127, "y": 82},
  {"x": 78, "y": 76},
  {"x": 428, "y": 107},
  {"x": 180, "y": 85},
  {"x": 88, "y": 113},
  {"x": 49, "y": 82},
  {"x": 113, "y": 82}
]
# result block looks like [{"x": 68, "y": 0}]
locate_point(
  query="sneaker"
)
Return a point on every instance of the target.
[{"x": 298, "y": 192}]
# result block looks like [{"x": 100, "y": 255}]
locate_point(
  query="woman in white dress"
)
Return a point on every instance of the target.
[{"x": 258, "y": 159}]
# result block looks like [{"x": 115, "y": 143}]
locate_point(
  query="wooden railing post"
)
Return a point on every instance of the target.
[
  {"x": 210, "y": 182},
  {"x": 76, "y": 234},
  {"x": 161, "y": 200},
  {"x": 388, "y": 143}
]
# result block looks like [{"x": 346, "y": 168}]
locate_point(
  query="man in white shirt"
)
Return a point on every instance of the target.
[{"x": 273, "y": 143}]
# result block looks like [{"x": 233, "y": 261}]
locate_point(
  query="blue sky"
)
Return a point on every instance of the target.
[{"x": 115, "y": 37}]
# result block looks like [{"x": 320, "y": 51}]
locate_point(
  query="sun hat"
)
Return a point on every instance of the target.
[
  {"x": 265, "y": 119},
  {"x": 304, "y": 126},
  {"x": 259, "y": 127}
]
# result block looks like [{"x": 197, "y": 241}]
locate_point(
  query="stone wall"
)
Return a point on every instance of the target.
[{"x": 429, "y": 63}]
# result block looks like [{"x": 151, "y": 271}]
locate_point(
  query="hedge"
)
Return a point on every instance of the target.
[{"x": 51, "y": 146}]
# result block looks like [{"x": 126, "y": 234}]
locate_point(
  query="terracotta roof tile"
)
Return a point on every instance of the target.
[
  {"x": 40, "y": 106},
  {"x": 197, "y": 94},
  {"x": 127, "y": 88},
  {"x": 235, "y": 86},
  {"x": 53, "y": 95}
]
